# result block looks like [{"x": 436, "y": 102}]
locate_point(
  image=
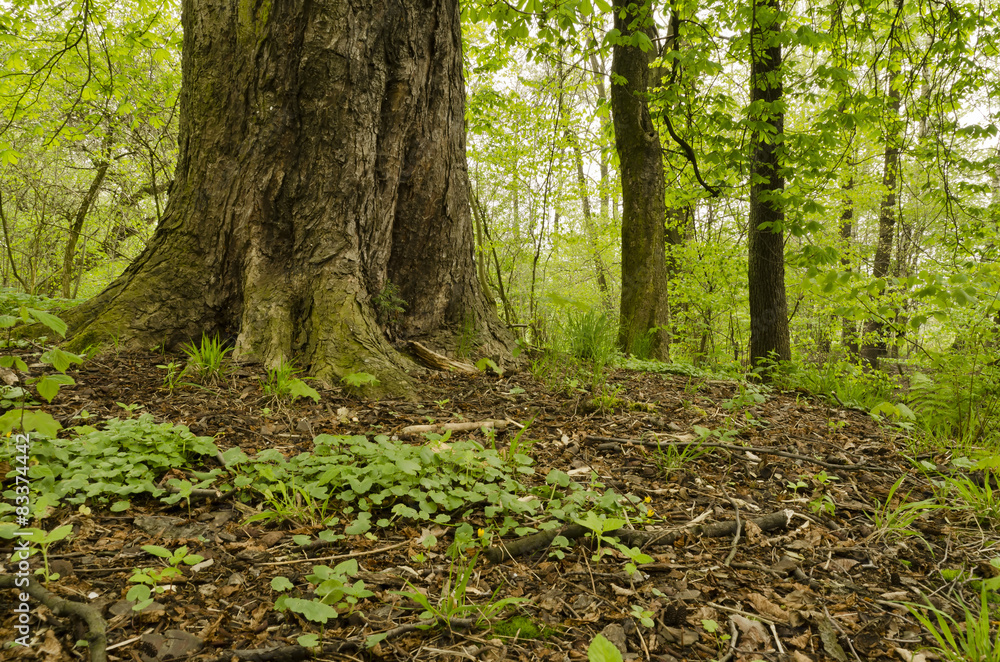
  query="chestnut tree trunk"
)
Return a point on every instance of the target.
[{"x": 322, "y": 157}]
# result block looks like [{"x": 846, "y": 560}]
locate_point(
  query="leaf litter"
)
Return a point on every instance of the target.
[{"x": 779, "y": 528}]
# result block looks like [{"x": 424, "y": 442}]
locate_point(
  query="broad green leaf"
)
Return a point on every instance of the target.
[
  {"x": 156, "y": 550},
  {"x": 602, "y": 650},
  {"x": 28, "y": 420},
  {"x": 49, "y": 320},
  {"x": 313, "y": 610},
  {"x": 308, "y": 640},
  {"x": 59, "y": 359},
  {"x": 299, "y": 389},
  {"x": 48, "y": 385}
]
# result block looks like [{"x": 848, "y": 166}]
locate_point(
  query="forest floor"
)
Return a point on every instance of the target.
[{"x": 825, "y": 552}]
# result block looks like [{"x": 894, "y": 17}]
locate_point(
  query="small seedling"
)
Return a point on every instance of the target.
[
  {"x": 282, "y": 384},
  {"x": 130, "y": 409},
  {"x": 44, "y": 540},
  {"x": 174, "y": 372},
  {"x": 149, "y": 580}
]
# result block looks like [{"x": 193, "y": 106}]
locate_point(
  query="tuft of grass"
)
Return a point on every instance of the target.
[
  {"x": 207, "y": 360},
  {"x": 966, "y": 642},
  {"x": 897, "y": 521},
  {"x": 591, "y": 336}
]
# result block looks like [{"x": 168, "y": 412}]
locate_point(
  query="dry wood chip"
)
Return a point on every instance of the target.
[
  {"x": 753, "y": 634},
  {"x": 767, "y": 608},
  {"x": 624, "y": 592}
]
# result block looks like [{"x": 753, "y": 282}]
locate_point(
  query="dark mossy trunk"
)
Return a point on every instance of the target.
[
  {"x": 322, "y": 157},
  {"x": 644, "y": 308},
  {"x": 769, "y": 338}
]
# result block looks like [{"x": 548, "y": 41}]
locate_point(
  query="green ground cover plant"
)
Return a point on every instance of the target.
[
  {"x": 122, "y": 459},
  {"x": 18, "y": 400},
  {"x": 283, "y": 384}
]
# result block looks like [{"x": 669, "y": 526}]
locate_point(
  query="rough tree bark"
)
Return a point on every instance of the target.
[
  {"x": 768, "y": 307},
  {"x": 322, "y": 155},
  {"x": 644, "y": 271}
]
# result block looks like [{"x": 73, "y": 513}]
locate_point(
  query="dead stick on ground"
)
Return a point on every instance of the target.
[
  {"x": 96, "y": 636},
  {"x": 297, "y": 653},
  {"x": 733, "y": 636},
  {"x": 455, "y": 427},
  {"x": 739, "y": 527},
  {"x": 340, "y": 556},
  {"x": 610, "y": 442},
  {"x": 776, "y": 520}
]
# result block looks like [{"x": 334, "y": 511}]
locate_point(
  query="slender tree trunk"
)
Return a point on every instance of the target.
[
  {"x": 322, "y": 153},
  {"x": 10, "y": 250},
  {"x": 874, "y": 346},
  {"x": 509, "y": 315},
  {"x": 644, "y": 276},
  {"x": 600, "y": 271},
  {"x": 848, "y": 327},
  {"x": 69, "y": 254},
  {"x": 606, "y": 129},
  {"x": 484, "y": 283},
  {"x": 769, "y": 337}
]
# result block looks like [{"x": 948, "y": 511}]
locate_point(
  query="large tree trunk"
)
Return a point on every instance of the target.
[
  {"x": 766, "y": 254},
  {"x": 322, "y": 156},
  {"x": 644, "y": 272}
]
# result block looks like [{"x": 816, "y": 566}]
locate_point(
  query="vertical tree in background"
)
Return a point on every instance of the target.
[
  {"x": 600, "y": 271},
  {"x": 768, "y": 308},
  {"x": 874, "y": 345},
  {"x": 644, "y": 271}
]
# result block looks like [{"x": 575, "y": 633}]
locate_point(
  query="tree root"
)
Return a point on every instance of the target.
[
  {"x": 96, "y": 636},
  {"x": 536, "y": 541}
]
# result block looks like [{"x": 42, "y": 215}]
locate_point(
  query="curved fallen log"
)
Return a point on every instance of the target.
[
  {"x": 521, "y": 546},
  {"x": 97, "y": 637}
]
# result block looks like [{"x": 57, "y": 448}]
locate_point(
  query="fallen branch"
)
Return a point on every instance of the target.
[
  {"x": 439, "y": 361},
  {"x": 96, "y": 636},
  {"x": 776, "y": 520},
  {"x": 607, "y": 443},
  {"x": 455, "y": 427}
]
